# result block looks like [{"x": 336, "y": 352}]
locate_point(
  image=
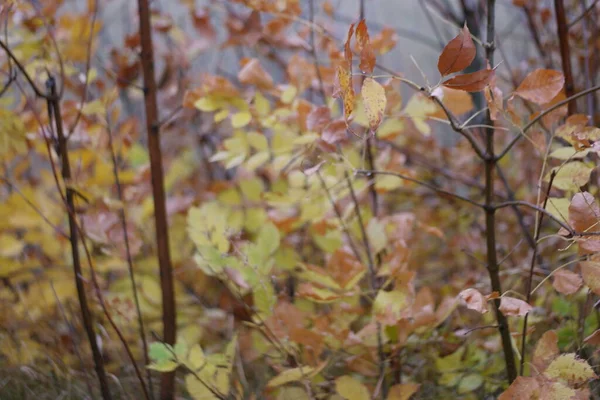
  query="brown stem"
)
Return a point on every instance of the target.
[
  {"x": 531, "y": 268},
  {"x": 490, "y": 213},
  {"x": 313, "y": 49},
  {"x": 565, "y": 52},
  {"x": 86, "y": 315},
  {"x": 167, "y": 390}
]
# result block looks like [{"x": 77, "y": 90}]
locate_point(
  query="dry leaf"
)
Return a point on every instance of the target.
[
  {"x": 403, "y": 391},
  {"x": 566, "y": 282},
  {"x": 545, "y": 351},
  {"x": 594, "y": 338},
  {"x": 252, "y": 73},
  {"x": 584, "y": 212},
  {"x": 367, "y": 56},
  {"x": 473, "y": 82},
  {"x": 474, "y": 300},
  {"x": 514, "y": 307},
  {"x": 541, "y": 86},
  {"x": 346, "y": 90},
  {"x": 522, "y": 388},
  {"x": 374, "y": 101},
  {"x": 458, "y": 54},
  {"x": 590, "y": 271}
]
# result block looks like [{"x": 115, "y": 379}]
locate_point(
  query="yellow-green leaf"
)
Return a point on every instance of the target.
[
  {"x": 375, "y": 101},
  {"x": 351, "y": 389}
]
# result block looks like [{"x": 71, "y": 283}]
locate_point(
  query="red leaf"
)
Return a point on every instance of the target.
[
  {"x": 347, "y": 49},
  {"x": 474, "y": 300},
  {"x": 458, "y": 54},
  {"x": 566, "y": 282},
  {"x": 367, "y": 56},
  {"x": 541, "y": 86},
  {"x": 473, "y": 82},
  {"x": 514, "y": 307}
]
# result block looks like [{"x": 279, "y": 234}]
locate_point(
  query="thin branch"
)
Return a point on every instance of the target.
[
  {"x": 583, "y": 14},
  {"x": 418, "y": 182},
  {"x": 21, "y": 68},
  {"x": 531, "y": 268},
  {"x": 313, "y": 49},
  {"x": 123, "y": 219}
]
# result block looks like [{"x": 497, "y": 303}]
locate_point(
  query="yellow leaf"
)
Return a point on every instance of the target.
[
  {"x": 241, "y": 119},
  {"x": 403, "y": 391},
  {"x": 419, "y": 108},
  {"x": 375, "y": 101},
  {"x": 288, "y": 95},
  {"x": 351, "y": 389},
  {"x": 209, "y": 104},
  {"x": 295, "y": 375},
  {"x": 571, "y": 369},
  {"x": 221, "y": 115},
  {"x": 10, "y": 246}
]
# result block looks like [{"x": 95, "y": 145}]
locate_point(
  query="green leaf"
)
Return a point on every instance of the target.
[
  {"x": 160, "y": 352},
  {"x": 163, "y": 366},
  {"x": 291, "y": 375}
]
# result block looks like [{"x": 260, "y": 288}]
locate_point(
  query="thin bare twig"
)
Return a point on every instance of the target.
[{"x": 565, "y": 52}]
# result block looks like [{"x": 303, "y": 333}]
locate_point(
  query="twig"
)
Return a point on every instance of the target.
[
  {"x": 583, "y": 14},
  {"x": 418, "y": 182},
  {"x": 21, "y": 68},
  {"x": 123, "y": 219},
  {"x": 531, "y": 268},
  {"x": 313, "y": 49},
  {"x": 86, "y": 315},
  {"x": 167, "y": 390}
]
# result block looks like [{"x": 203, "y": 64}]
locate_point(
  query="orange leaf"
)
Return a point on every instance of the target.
[
  {"x": 473, "y": 82},
  {"x": 541, "y": 86},
  {"x": 458, "y": 54},
  {"x": 347, "y": 49},
  {"x": 474, "y": 300},
  {"x": 514, "y": 307},
  {"x": 367, "y": 56},
  {"x": 374, "y": 100},
  {"x": 566, "y": 282}
]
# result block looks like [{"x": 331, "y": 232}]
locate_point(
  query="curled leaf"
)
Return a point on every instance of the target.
[
  {"x": 474, "y": 300},
  {"x": 367, "y": 56}
]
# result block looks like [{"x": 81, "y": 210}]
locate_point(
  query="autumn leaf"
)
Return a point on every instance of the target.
[
  {"x": 590, "y": 271},
  {"x": 403, "y": 391},
  {"x": 474, "y": 300},
  {"x": 472, "y": 82},
  {"x": 571, "y": 369},
  {"x": 541, "y": 86},
  {"x": 566, "y": 282},
  {"x": 253, "y": 73},
  {"x": 593, "y": 339},
  {"x": 522, "y": 388},
  {"x": 458, "y": 54},
  {"x": 374, "y": 101},
  {"x": 351, "y": 389},
  {"x": 546, "y": 350},
  {"x": 367, "y": 56},
  {"x": 584, "y": 212},
  {"x": 514, "y": 307}
]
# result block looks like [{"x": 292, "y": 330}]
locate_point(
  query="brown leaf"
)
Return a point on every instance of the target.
[
  {"x": 252, "y": 73},
  {"x": 367, "y": 56},
  {"x": 374, "y": 101},
  {"x": 384, "y": 41},
  {"x": 594, "y": 338},
  {"x": 584, "y": 212},
  {"x": 545, "y": 351},
  {"x": 541, "y": 86},
  {"x": 590, "y": 271},
  {"x": 474, "y": 300},
  {"x": 494, "y": 99},
  {"x": 522, "y": 388},
  {"x": 318, "y": 119},
  {"x": 458, "y": 54},
  {"x": 566, "y": 282},
  {"x": 473, "y": 82},
  {"x": 514, "y": 307},
  {"x": 457, "y": 101}
]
